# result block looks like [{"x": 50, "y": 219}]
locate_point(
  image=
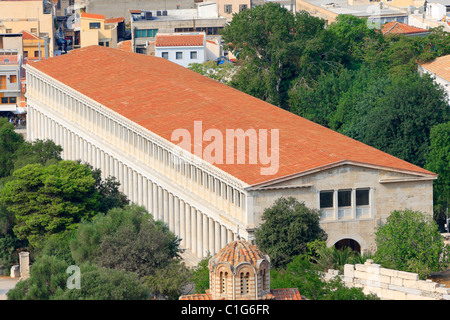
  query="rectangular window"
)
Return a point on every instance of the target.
[
  {"x": 344, "y": 204},
  {"x": 344, "y": 198},
  {"x": 8, "y": 30},
  {"x": 165, "y": 55},
  {"x": 242, "y": 7},
  {"x": 146, "y": 33},
  {"x": 33, "y": 30},
  {"x": 179, "y": 55},
  {"x": 326, "y": 199},
  {"x": 363, "y": 203},
  {"x": 94, "y": 25},
  {"x": 4, "y": 100},
  {"x": 13, "y": 79},
  {"x": 193, "y": 54},
  {"x": 362, "y": 197},
  {"x": 228, "y": 8},
  {"x": 12, "y": 99}
]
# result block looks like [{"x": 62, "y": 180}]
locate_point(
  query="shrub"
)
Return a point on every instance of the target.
[
  {"x": 411, "y": 241},
  {"x": 286, "y": 229}
]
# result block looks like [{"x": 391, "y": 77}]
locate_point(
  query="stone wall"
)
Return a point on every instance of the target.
[{"x": 389, "y": 284}]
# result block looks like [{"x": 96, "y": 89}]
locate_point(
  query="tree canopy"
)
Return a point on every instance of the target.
[
  {"x": 410, "y": 241},
  {"x": 49, "y": 200},
  {"x": 287, "y": 226}
]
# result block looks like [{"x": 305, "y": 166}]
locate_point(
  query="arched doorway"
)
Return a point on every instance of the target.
[{"x": 350, "y": 243}]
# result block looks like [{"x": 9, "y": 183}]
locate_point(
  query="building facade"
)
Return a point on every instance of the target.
[
  {"x": 146, "y": 24},
  {"x": 131, "y": 123},
  {"x": 11, "y": 60},
  {"x": 34, "y": 16},
  {"x": 182, "y": 49}
]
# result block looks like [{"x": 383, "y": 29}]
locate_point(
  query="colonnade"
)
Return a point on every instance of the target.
[{"x": 198, "y": 231}]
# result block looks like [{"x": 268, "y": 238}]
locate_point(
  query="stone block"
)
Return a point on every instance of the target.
[
  {"x": 443, "y": 290},
  {"x": 349, "y": 270},
  {"x": 15, "y": 271},
  {"x": 362, "y": 275},
  {"x": 427, "y": 285},
  {"x": 408, "y": 275},
  {"x": 388, "y": 272},
  {"x": 397, "y": 281},
  {"x": 418, "y": 297},
  {"x": 368, "y": 262},
  {"x": 373, "y": 268},
  {"x": 360, "y": 267},
  {"x": 392, "y": 294},
  {"x": 405, "y": 289}
]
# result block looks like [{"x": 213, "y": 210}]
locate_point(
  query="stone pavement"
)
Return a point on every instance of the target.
[{"x": 6, "y": 283}]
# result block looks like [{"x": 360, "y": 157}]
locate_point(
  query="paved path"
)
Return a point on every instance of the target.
[{"x": 6, "y": 283}]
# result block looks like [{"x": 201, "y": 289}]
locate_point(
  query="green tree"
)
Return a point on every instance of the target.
[
  {"x": 396, "y": 113},
  {"x": 438, "y": 161},
  {"x": 168, "y": 282},
  {"x": 276, "y": 47},
  {"x": 125, "y": 238},
  {"x": 105, "y": 284},
  {"x": 47, "y": 276},
  {"x": 39, "y": 151},
  {"x": 200, "y": 275},
  {"x": 357, "y": 41},
  {"x": 108, "y": 190},
  {"x": 411, "y": 241},
  {"x": 211, "y": 69},
  {"x": 50, "y": 200},
  {"x": 287, "y": 226},
  {"x": 300, "y": 273},
  {"x": 10, "y": 142}
]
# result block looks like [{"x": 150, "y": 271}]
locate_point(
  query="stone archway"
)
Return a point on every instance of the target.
[{"x": 349, "y": 243}]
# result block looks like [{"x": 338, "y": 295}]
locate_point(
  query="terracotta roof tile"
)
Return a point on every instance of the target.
[
  {"x": 162, "y": 96},
  {"x": 439, "y": 66},
  {"x": 395, "y": 27},
  {"x": 175, "y": 40},
  {"x": 92, "y": 16},
  {"x": 204, "y": 296},
  {"x": 114, "y": 20},
  {"x": 29, "y": 36},
  {"x": 286, "y": 294}
]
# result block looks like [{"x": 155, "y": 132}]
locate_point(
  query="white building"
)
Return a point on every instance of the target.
[
  {"x": 439, "y": 70},
  {"x": 155, "y": 126},
  {"x": 182, "y": 49}
]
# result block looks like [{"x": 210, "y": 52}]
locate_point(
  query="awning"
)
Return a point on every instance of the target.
[{"x": 20, "y": 110}]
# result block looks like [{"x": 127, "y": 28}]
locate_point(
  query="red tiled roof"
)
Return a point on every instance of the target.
[
  {"x": 125, "y": 46},
  {"x": 275, "y": 294},
  {"x": 198, "y": 296},
  {"x": 29, "y": 36},
  {"x": 162, "y": 96},
  {"x": 439, "y": 66},
  {"x": 92, "y": 16},
  {"x": 286, "y": 294},
  {"x": 114, "y": 20},
  {"x": 395, "y": 27},
  {"x": 175, "y": 40},
  {"x": 237, "y": 252}
]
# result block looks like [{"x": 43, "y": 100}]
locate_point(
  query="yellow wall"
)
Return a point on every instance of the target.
[
  {"x": 30, "y": 46},
  {"x": 31, "y": 10},
  {"x": 94, "y": 36}
]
